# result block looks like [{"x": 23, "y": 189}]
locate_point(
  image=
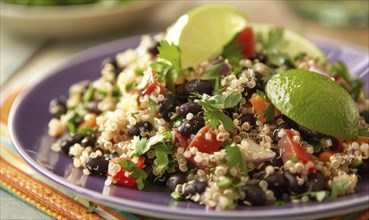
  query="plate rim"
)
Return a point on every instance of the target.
[{"x": 154, "y": 209}]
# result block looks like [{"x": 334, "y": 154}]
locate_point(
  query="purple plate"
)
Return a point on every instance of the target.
[{"x": 28, "y": 129}]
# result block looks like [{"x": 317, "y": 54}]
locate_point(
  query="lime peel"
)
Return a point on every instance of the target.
[
  {"x": 316, "y": 102},
  {"x": 202, "y": 32}
]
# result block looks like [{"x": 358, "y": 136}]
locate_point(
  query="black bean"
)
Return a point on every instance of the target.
[
  {"x": 190, "y": 189},
  {"x": 153, "y": 50},
  {"x": 277, "y": 160},
  {"x": 200, "y": 86},
  {"x": 278, "y": 129},
  {"x": 192, "y": 126},
  {"x": 293, "y": 185},
  {"x": 277, "y": 183},
  {"x": 200, "y": 186},
  {"x": 254, "y": 194},
  {"x": 316, "y": 182},
  {"x": 195, "y": 187},
  {"x": 57, "y": 107},
  {"x": 305, "y": 132},
  {"x": 363, "y": 169},
  {"x": 174, "y": 180},
  {"x": 141, "y": 126},
  {"x": 166, "y": 107},
  {"x": 88, "y": 141},
  {"x": 181, "y": 93},
  {"x": 260, "y": 84},
  {"x": 250, "y": 118},
  {"x": 189, "y": 107},
  {"x": 335, "y": 143},
  {"x": 66, "y": 144},
  {"x": 259, "y": 56},
  {"x": 98, "y": 166},
  {"x": 365, "y": 115},
  {"x": 92, "y": 107}
]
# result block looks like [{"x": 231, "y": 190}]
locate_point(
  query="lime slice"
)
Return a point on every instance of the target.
[
  {"x": 202, "y": 32},
  {"x": 296, "y": 42},
  {"x": 316, "y": 102}
]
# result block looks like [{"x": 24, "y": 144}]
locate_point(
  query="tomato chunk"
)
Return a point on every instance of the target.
[
  {"x": 246, "y": 40},
  {"x": 183, "y": 140},
  {"x": 289, "y": 149},
  {"x": 206, "y": 141},
  {"x": 154, "y": 85},
  {"x": 121, "y": 178}
]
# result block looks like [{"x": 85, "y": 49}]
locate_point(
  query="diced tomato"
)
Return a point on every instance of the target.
[
  {"x": 206, "y": 142},
  {"x": 183, "y": 140},
  {"x": 121, "y": 178},
  {"x": 290, "y": 148},
  {"x": 246, "y": 40},
  {"x": 154, "y": 85}
]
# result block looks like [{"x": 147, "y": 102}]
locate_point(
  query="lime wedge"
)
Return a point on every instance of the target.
[
  {"x": 202, "y": 32},
  {"x": 316, "y": 102},
  {"x": 296, "y": 42}
]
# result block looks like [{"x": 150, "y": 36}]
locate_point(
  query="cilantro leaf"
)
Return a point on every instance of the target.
[
  {"x": 162, "y": 160},
  {"x": 141, "y": 146},
  {"x": 353, "y": 85},
  {"x": 170, "y": 52},
  {"x": 137, "y": 173},
  {"x": 152, "y": 106},
  {"x": 213, "y": 104},
  {"x": 233, "y": 52},
  {"x": 234, "y": 158},
  {"x": 274, "y": 41},
  {"x": 166, "y": 73},
  {"x": 269, "y": 113},
  {"x": 213, "y": 74}
]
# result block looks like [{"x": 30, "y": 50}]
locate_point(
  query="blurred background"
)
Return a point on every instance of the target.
[{"x": 38, "y": 33}]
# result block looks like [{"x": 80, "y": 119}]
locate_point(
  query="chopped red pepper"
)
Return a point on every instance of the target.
[
  {"x": 121, "y": 178},
  {"x": 289, "y": 148},
  {"x": 246, "y": 40}
]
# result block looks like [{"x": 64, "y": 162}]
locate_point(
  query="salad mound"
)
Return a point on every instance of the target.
[{"x": 211, "y": 133}]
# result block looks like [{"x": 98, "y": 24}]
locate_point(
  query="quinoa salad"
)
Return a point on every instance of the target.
[{"x": 208, "y": 133}]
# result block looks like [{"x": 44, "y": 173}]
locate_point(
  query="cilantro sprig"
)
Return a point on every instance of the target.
[
  {"x": 212, "y": 106},
  {"x": 352, "y": 85},
  {"x": 137, "y": 173},
  {"x": 234, "y": 158},
  {"x": 168, "y": 68}
]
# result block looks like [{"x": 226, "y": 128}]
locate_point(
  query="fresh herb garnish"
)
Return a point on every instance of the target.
[
  {"x": 88, "y": 95},
  {"x": 152, "y": 106},
  {"x": 269, "y": 112},
  {"x": 274, "y": 41},
  {"x": 169, "y": 68},
  {"x": 234, "y": 158},
  {"x": 137, "y": 173},
  {"x": 318, "y": 195},
  {"x": 212, "y": 106},
  {"x": 233, "y": 52},
  {"x": 130, "y": 84},
  {"x": 213, "y": 74},
  {"x": 87, "y": 131},
  {"x": 141, "y": 145},
  {"x": 352, "y": 85},
  {"x": 338, "y": 186}
]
